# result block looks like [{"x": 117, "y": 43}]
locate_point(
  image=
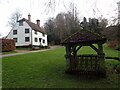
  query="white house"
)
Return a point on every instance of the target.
[{"x": 26, "y": 33}]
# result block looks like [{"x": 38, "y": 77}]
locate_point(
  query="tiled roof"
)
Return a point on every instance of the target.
[
  {"x": 84, "y": 36},
  {"x": 33, "y": 26}
]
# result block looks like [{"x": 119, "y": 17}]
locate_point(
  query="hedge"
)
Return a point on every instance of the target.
[
  {"x": 7, "y": 45},
  {"x": 113, "y": 44}
]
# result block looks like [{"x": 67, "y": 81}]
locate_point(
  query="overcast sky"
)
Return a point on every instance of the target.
[{"x": 39, "y": 10}]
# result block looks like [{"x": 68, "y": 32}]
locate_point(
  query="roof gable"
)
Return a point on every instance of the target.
[{"x": 33, "y": 26}]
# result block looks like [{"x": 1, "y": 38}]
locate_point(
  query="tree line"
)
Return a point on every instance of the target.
[{"x": 65, "y": 24}]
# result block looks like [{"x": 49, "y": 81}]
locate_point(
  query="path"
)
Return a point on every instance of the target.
[{"x": 25, "y": 51}]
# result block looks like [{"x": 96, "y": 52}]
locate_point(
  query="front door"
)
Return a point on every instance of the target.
[{"x": 40, "y": 41}]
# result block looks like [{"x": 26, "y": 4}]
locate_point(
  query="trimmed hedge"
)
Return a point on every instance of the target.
[{"x": 7, "y": 45}]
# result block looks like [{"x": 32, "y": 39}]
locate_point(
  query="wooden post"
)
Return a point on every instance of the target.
[
  {"x": 74, "y": 53},
  {"x": 93, "y": 47},
  {"x": 68, "y": 54},
  {"x": 75, "y": 62},
  {"x": 100, "y": 48},
  {"x": 101, "y": 57}
]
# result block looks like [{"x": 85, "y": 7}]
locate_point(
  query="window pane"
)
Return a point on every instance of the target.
[
  {"x": 14, "y": 32},
  {"x": 15, "y": 39},
  {"x": 27, "y": 39},
  {"x": 20, "y": 23},
  {"x": 36, "y": 40},
  {"x": 27, "y": 30}
]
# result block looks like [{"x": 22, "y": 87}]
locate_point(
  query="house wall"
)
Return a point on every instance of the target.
[
  {"x": 21, "y": 34},
  {"x": 38, "y": 36}
]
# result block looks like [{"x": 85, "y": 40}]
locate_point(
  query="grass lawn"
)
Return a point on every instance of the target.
[
  {"x": 23, "y": 48},
  {"x": 10, "y": 52},
  {"x": 46, "y": 70}
]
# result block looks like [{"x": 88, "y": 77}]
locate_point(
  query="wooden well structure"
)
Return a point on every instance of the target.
[{"x": 85, "y": 64}]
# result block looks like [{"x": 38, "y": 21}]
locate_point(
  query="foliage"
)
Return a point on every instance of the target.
[
  {"x": 112, "y": 33},
  {"x": 113, "y": 36},
  {"x": 7, "y": 45},
  {"x": 94, "y": 24},
  {"x": 103, "y": 23},
  {"x": 23, "y": 49},
  {"x": 49, "y": 27},
  {"x": 62, "y": 26},
  {"x": 118, "y": 46},
  {"x": 68, "y": 23},
  {"x": 10, "y": 52},
  {"x": 46, "y": 70}
]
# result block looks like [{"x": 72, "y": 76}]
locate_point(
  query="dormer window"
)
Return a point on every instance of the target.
[
  {"x": 26, "y": 30},
  {"x": 20, "y": 23}
]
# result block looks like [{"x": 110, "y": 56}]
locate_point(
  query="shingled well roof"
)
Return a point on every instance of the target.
[
  {"x": 84, "y": 36},
  {"x": 33, "y": 26}
]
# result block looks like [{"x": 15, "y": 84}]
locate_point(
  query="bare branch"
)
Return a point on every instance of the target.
[{"x": 16, "y": 15}]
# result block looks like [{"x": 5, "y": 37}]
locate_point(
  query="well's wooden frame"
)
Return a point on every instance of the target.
[{"x": 73, "y": 61}]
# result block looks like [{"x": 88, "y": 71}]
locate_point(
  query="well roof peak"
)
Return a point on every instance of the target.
[{"x": 84, "y": 36}]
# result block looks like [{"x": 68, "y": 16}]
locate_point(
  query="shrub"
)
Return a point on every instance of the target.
[
  {"x": 118, "y": 68},
  {"x": 118, "y": 46},
  {"x": 7, "y": 45}
]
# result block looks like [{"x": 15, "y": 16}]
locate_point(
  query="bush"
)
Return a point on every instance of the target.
[
  {"x": 39, "y": 47},
  {"x": 7, "y": 45},
  {"x": 118, "y": 46},
  {"x": 118, "y": 68}
]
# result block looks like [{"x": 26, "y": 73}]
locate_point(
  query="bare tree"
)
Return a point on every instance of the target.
[
  {"x": 49, "y": 28},
  {"x": 103, "y": 23},
  {"x": 16, "y": 15},
  {"x": 62, "y": 26}
]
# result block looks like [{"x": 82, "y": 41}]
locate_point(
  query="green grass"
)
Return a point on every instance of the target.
[
  {"x": 111, "y": 52},
  {"x": 46, "y": 70},
  {"x": 23, "y": 48},
  {"x": 108, "y": 51},
  {"x": 10, "y": 52}
]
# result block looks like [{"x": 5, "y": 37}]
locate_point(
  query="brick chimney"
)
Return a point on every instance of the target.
[
  {"x": 38, "y": 22},
  {"x": 29, "y": 17}
]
